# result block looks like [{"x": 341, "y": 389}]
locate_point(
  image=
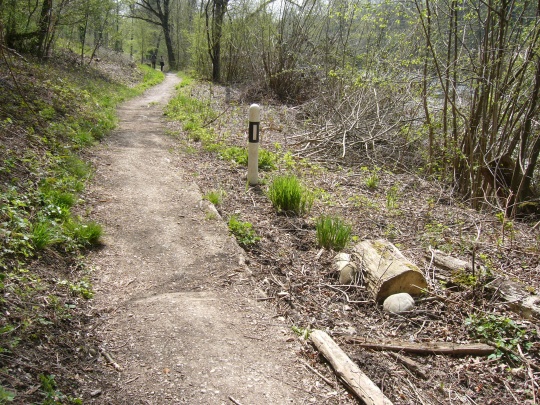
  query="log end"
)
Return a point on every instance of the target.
[{"x": 411, "y": 282}]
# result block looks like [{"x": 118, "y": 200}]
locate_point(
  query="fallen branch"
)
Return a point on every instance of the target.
[
  {"x": 479, "y": 349},
  {"x": 410, "y": 364},
  {"x": 348, "y": 371}
]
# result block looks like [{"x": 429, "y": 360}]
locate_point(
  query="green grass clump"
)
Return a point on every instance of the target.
[
  {"x": 243, "y": 232},
  {"x": 289, "y": 196},
  {"x": 372, "y": 181},
  {"x": 332, "y": 232},
  {"x": 43, "y": 235},
  {"x": 215, "y": 197},
  {"x": 84, "y": 234}
]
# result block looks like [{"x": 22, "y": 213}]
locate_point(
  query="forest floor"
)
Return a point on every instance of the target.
[
  {"x": 417, "y": 215},
  {"x": 181, "y": 314}
]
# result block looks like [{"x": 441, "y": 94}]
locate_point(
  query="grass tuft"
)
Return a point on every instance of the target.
[
  {"x": 332, "y": 232},
  {"x": 85, "y": 234},
  {"x": 289, "y": 196},
  {"x": 215, "y": 197}
]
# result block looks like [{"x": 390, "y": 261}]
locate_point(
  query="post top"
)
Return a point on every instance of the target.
[{"x": 254, "y": 113}]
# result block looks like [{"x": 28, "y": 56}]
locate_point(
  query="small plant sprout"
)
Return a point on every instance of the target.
[
  {"x": 301, "y": 332},
  {"x": 372, "y": 181},
  {"x": 215, "y": 197},
  {"x": 332, "y": 232},
  {"x": 392, "y": 198},
  {"x": 243, "y": 232}
]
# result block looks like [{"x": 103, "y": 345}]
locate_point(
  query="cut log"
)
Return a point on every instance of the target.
[
  {"x": 387, "y": 271},
  {"x": 348, "y": 371},
  {"x": 514, "y": 294},
  {"x": 455, "y": 349},
  {"x": 516, "y": 297}
]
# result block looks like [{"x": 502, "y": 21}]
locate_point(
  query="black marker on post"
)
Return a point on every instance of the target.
[{"x": 253, "y": 145}]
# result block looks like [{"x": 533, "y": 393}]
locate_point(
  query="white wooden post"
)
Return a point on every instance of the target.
[{"x": 253, "y": 144}]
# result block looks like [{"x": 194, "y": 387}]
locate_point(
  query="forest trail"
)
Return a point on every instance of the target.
[{"x": 177, "y": 329}]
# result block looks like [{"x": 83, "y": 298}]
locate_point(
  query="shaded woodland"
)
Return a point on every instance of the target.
[
  {"x": 418, "y": 121},
  {"x": 444, "y": 87}
]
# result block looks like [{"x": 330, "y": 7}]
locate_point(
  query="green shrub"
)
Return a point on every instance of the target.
[
  {"x": 502, "y": 331},
  {"x": 332, "y": 232},
  {"x": 243, "y": 232},
  {"x": 289, "y": 196}
]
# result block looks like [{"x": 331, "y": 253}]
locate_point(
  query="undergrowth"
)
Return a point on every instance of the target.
[
  {"x": 49, "y": 116},
  {"x": 243, "y": 232}
]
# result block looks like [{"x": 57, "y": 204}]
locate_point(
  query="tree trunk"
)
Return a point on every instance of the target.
[
  {"x": 169, "y": 45},
  {"x": 44, "y": 28},
  {"x": 219, "y": 8}
]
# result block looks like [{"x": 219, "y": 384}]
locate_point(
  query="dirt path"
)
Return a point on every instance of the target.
[{"x": 170, "y": 318}]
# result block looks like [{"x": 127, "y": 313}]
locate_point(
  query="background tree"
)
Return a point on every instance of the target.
[
  {"x": 158, "y": 12},
  {"x": 214, "y": 15}
]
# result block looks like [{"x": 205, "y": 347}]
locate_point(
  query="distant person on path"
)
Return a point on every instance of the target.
[
  {"x": 161, "y": 63},
  {"x": 153, "y": 58}
]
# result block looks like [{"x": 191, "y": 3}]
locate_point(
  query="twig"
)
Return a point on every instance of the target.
[
  {"x": 132, "y": 379},
  {"x": 510, "y": 391},
  {"x": 326, "y": 380},
  {"x": 252, "y": 337},
  {"x": 234, "y": 401},
  {"x": 349, "y": 301},
  {"x": 111, "y": 361},
  {"x": 409, "y": 364},
  {"x": 416, "y": 392},
  {"x": 530, "y": 373}
]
